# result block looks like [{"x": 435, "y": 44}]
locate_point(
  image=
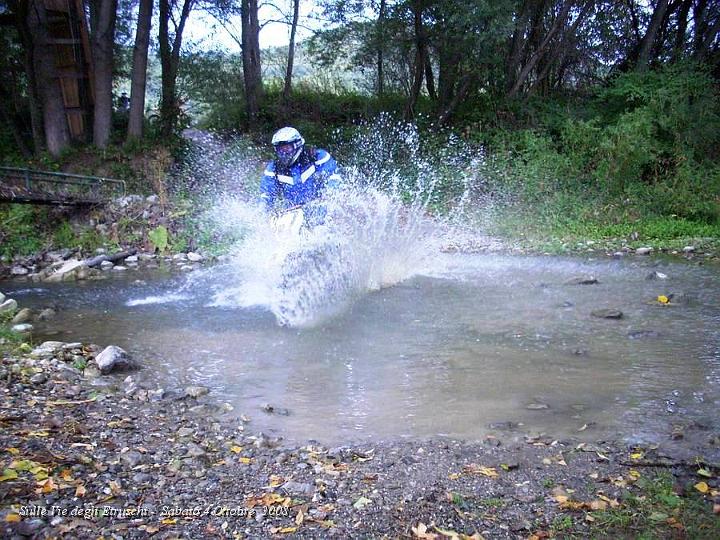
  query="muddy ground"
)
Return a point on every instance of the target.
[{"x": 86, "y": 461}]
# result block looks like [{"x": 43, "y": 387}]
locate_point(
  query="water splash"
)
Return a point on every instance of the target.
[{"x": 382, "y": 227}]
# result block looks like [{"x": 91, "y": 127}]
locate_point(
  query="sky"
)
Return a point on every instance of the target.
[{"x": 203, "y": 28}]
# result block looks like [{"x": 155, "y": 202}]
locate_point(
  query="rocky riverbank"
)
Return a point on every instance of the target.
[{"x": 87, "y": 455}]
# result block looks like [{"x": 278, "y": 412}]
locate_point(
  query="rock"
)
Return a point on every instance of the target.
[
  {"x": 8, "y": 306},
  {"x": 22, "y": 328},
  {"x": 185, "y": 432},
  {"x": 179, "y": 257},
  {"x": 91, "y": 372},
  {"x": 589, "y": 280},
  {"x": 131, "y": 259},
  {"x": 156, "y": 395},
  {"x": 39, "y": 378},
  {"x": 113, "y": 358},
  {"x": 152, "y": 199},
  {"x": 146, "y": 256},
  {"x": 298, "y": 488},
  {"x": 132, "y": 458},
  {"x": 194, "y": 257},
  {"x": 101, "y": 251},
  {"x": 2, "y": 298},
  {"x": 63, "y": 271},
  {"x": 688, "y": 249},
  {"x": 22, "y": 316},
  {"x": 195, "y": 450},
  {"x": 656, "y": 275},
  {"x": 607, "y": 313},
  {"x": 187, "y": 268},
  {"x": 270, "y": 409},
  {"x": 106, "y": 265},
  {"x": 643, "y": 250},
  {"x": 196, "y": 391},
  {"x": 119, "y": 268},
  {"x": 19, "y": 270},
  {"x": 537, "y": 406},
  {"x": 46, "y": 314},
  {"x": 504, "y": 425}
]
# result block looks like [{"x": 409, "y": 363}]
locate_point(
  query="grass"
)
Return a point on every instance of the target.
[{"x": 658, "y": 512}]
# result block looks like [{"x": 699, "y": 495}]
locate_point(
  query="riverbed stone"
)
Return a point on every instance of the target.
[
  {"x": 2, "y": 298},
  {"x": 196, "y": 391},
  {"x": 689, "y": 249},
  {"x": 644, "y": 250},
  {"x": 8, "y": 306},
  {"x": 63, "y": 271},
  {"x": 114, "y": 358},
  {"x": 656, "y": 275},
  {"x": 131, "y": 259},
  {"x": 119, "y": 268},
  {"x": 194, "y": 257},
  {"x": 22, "y": 328},
  {"x": 46, "y": 314},
  {"x": 582, "y": 280},
  {"x": 19, "y": 270},
  {"x": 39, "y": 378},
  {"x": 22, "y": 316},
  {"x": 607, "y": 313},
  {"x": 537, "y": 406},
  {"x": 106, "y": 265}
]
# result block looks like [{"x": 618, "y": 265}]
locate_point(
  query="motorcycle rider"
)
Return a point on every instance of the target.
[{"x": 298, "y": 175}]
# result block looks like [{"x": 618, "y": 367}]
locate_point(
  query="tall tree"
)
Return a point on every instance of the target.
[
  {"x": 170, "y": 42},
  {"x": 252, "y": 69},
  {"x": 57, "y": 132},
  {"x": 648, "y": 40},
  {"x": 103, "y": 40},
  {"x": 139, "y": 70},
  {"x": 291, "y": 50}
]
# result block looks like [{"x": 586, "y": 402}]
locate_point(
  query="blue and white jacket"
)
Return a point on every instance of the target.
[{"x": 305, "y": 180}]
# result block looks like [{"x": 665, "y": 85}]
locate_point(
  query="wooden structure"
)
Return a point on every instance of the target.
[
  {"x": 39, "y": 187},
  {"x": 67, "y": 26}
]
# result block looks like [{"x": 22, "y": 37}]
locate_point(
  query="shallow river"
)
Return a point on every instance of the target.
[{"x": 472, "y": 343}]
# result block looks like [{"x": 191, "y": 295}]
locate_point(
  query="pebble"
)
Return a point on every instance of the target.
[
  {"x": 607, "y": 313},
  {"x": 196, "y": 391},
  {"x": 643, "y": 250},
  {"x": 689, "y": 249},
  {"x": 656, "y": 275},
  {"x": 537, "y": 406},
  {"x": 22, "y": 328}
]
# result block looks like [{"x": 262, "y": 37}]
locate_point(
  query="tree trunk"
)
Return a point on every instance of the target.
[
  {"x": 381, "y": 48},
  {"x": 139, "y": 70},
  {"x": 291, "y": 51},
  {"x": 103, "y": 39},
  {"x": 252, "y": 73},
  {"x": 643, "y": 59},
  {"x": 430, "y": 78},
  {"x": 57, "y": 133},
  {"x": 419, "y": 63},
  {"x": 533, "y": 60},
  {"x": 10, "y": 118},
  {"x": 169, "y": 60},
  {"x": 679, "y": 48},
  {"x": 34, "y": 98}
]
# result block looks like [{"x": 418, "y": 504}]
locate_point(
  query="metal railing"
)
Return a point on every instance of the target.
[{"x": 27, "y": 185}]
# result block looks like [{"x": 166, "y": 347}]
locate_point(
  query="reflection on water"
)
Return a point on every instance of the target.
[{"x": 470, "y": 343}]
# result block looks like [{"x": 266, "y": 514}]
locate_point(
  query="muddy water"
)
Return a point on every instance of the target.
[{"x": 472, "y": 343}]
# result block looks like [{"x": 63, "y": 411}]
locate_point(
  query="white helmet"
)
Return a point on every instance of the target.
[{"x": 288, "y": 145}]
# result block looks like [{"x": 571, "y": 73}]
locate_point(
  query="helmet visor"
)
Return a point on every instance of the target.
[{"x": 285, "y": 150}]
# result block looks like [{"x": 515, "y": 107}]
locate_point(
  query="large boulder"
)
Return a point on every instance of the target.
[
  {"x": 113, "y": 358},
  {"x": 64, "y": 271},
  {"x": 8, "y": 306}
]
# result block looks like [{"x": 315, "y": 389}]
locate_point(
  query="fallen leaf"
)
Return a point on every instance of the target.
[
  {"x": 473, "y": 468},
  {"x": 635, "y": 475},
  {"x": 454, "y": 476},
  {"x": 421, "y": 531},
  {"x": 663, "y": 299},
  {"x": 236, "y": 449},
  {"x": 245, "y": 460},
  {"x": 702, "y": 487},
  {"x": 299, "y": 518},
  {"x": 12, "y": 450},
  {"x": 46, "y": 486},
  {"x": 361, "y": 503},
  {"x": 169, "y": 521},
  {"x": 8, "y": 474},
  {"x": 13, "y": 518},
  {"x": 283, "y": 530},
  {"x": 704, "y": 472},
  {"x": 80, "y": 491},
  {"x": 636, "y": 455}
]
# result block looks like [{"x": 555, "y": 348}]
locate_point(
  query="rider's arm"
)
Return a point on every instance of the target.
[
  {"x": 268, "y": 186},
  {"x": 327, "y": 168}
]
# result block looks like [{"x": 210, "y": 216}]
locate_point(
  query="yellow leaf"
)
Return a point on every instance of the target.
[
  {"x": 454, "y": 476},
  {"x": 38, "y": 434},
  {"x": 12, "y": 450},
  {"x": 479, "y": 469},
  {"x": 663, "y": 299},
  {"x": 632, "y": 473},
  {"x": 169, "y": 521},
  {"x": 283, "y": 530},
  {"x": 80, "y": 491},
  {"x": 702, "y": 487},
  {"x": 8, "y": 474},
  {"x": 245, "y": 460},
  {"x": 636, "y": 455},
  {"x": 299, "y": 518},
  {"x": 704, "y": 472},
  {"x": 276, "y": 480},
  {"x": 237, "y": 449},
  {"x": 598, "y": 505},
  {"x": 46, "y": 486},
  {"x": 562, "y": 499},
  {"x": 13, "y": 518},
  {"x": 421, "y": 531},
  {"x": 66, "y": 475}
]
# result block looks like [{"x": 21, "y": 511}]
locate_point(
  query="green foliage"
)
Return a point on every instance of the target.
[
  {"x": 159, "y": 238},
  {"x": 19, "y": 234}
]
